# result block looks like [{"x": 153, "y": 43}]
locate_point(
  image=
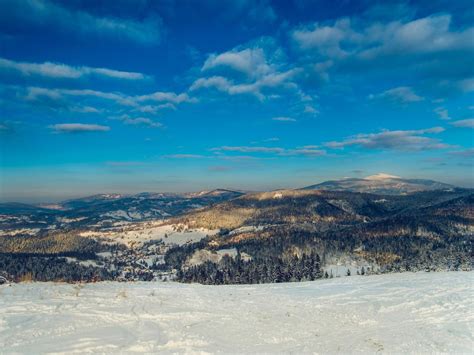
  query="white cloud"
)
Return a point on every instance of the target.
[
  {"x": 402, "y": 94},
  {"x": 327, "y": 40},
  {"x": 59, "y": 70},
  {"x": 308, "y": 152},
  {"x": 250, "y": 61},
  {"x": 36, "y": 93},
  {"x": 249, "y": 149},
  {"x": 429, "y": 49},
  {"x": 425, "y": 35},
  {"x": 468, "y": 123},
  {"x": 311, "y": 109},
  {"x": 255, "y": 88},
  {"x": 33, "y": 93},
  {"x": 78, "y": 128},
  {"x": 410, "y": 140},
  {"x": 272, "y": 139},
  {"x": 259, "y": 68},
  {"x": 466, "y": 85},
  {"x": 184, "y": 156},
  {"x": 283, "y": 119},
  {"x": 85, "y": 109},
  {"x": 171, "y": 97},
  {"x": 303, "y": 151},
  {"x": 155, "y": 108},
  {"x": 217, "y": 82},
  {"x": 370, "y": 40},
  {"x": 117, "y": 74},
  {"x": 442, "y": 113},
  {"x": 139, "y": 121}
]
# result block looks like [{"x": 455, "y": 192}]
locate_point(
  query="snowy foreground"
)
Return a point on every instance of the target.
[{"x": 423, "y": 312}]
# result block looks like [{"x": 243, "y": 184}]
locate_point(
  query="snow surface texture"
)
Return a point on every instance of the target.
[{"x": 415, "y": 313}]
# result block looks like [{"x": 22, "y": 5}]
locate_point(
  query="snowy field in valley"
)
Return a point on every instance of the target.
[
  {"x": 417, "y": 313},
  {"x": 139, "y": 233}
]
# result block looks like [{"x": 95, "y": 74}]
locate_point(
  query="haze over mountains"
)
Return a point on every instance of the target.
[
  {"x": 380, "y": 183},
  {"x": 103, "y": 209}
]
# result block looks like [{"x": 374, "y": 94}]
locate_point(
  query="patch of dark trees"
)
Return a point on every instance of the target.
[
  {"x": 269, "y": 270},
  {"x": 26, "y": 267}
]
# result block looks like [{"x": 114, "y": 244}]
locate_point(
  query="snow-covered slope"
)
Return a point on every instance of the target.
[
  {"x": 381, "y": 184},
  {"x": 396, "y": 313}
]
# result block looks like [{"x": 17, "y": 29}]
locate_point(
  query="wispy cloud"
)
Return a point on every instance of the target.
[
  {"x": 78, "y": 128},
  {"x": 249, "y": 149},
  {"x": 402, "y": 94},
  {"x": 64, "y": 71},
  {"x": 145, "y": 121},
  {"x": 284, "y": 119},
  {"x": 410, "y": 140},
  {"x": 303, "y": 151},
  {"x": 307, "y": 152},
  {"x": 468, "y": 123},
  {"x": 184, "y": 156},
  {"x": 255, "y": 88},
  {"x": 170, "y": 97},
  {"x": 37, "y": 93},
  {"x": 33, "y": 93},
  {"x": 442, "y": 113},
  {"x": 466, "y": 153},
  {"x": 250, "y": 61},
  {"x": 311, "y": 109}
]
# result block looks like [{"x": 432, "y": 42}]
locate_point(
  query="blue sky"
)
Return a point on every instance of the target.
[{"x": 131, "y": 96}]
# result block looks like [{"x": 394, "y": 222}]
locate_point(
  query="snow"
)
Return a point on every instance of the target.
[
  {"x": 170, "y": 234},
  {"x": 248, "y": 229},
  {"x": 202, "y": 255},
  {"x": 12, "y": 232},
  {"x": 139, "y": 233},
  {"x": 70, "y": 220},
  {"x": 381, "y": 176},
  {"x": 395, "y": 313}
]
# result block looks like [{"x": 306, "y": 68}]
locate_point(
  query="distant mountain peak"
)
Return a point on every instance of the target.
[
  {"x": 215, "y": 193},
  {"x": 382, "y": 176},
  {"x": 381, "y": 183}
]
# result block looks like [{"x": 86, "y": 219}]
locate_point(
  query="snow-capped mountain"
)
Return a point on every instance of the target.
[{"x": 381, "y": 184}]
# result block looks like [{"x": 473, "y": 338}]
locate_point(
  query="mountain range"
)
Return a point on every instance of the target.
[
  {"x": 379, "y": 223},
  {"x": 106, "y": 209}
]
